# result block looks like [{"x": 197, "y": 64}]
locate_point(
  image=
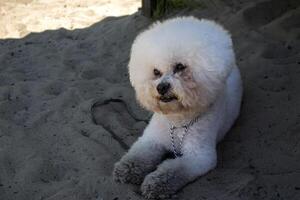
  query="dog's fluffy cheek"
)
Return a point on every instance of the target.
[
  {"x": 191, "y": 95},
  {"x": 185, "y": 92},
  {"x": 189, "y": 98},
  {"x": 146, "y": 97}
]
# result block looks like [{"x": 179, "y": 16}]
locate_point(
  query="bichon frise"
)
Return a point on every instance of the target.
[{"x": 184, "y": 71}]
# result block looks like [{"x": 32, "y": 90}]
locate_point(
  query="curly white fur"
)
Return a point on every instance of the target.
[{"x": 209, "y": 86}]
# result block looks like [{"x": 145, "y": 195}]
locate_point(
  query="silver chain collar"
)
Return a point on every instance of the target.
[{"x": 186, "y": 127}]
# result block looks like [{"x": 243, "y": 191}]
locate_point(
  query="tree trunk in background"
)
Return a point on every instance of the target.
[{"x": 148, "y": 7}]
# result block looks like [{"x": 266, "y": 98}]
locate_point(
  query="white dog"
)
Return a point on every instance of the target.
[{"x": 184, "y": 71}]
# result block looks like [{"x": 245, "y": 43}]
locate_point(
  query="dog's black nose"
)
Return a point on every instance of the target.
[{"x": 163, "y": 87}]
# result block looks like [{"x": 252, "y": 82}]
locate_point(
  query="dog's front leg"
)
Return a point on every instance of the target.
[
  {"x": 173, "y": 174},
  {"x": 142, "y": 158}
]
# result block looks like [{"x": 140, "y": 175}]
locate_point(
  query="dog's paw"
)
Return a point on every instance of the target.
[
  {"x": 159, "y": 185},
  {"x": 129, "y": 171}
]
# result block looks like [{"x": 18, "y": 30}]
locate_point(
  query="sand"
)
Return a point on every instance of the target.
[
  {"x": 68, "y": 113},
  {"x": 21, "y": 17}
]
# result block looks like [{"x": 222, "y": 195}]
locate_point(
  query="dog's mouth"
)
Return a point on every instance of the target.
[{"x": 167, "y": 99}]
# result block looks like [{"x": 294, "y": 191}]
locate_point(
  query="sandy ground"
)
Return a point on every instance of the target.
[
  {"x": 67, "y": 111},
  {"x": 20, "y": 17}
]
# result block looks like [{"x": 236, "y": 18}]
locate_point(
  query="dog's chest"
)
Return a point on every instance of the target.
[{"x": 178, "y": 136}]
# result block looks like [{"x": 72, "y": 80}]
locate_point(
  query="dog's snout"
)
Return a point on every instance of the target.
[{"x": 163, "y": 87}]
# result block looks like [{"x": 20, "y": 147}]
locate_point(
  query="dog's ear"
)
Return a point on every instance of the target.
[{"x": 218, "y": 51}]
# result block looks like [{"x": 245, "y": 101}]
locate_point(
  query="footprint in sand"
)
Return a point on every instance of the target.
[{"x": 123, "y": 125}]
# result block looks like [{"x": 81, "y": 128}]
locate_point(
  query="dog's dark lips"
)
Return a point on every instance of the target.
[{"x": 167, "y": 99}]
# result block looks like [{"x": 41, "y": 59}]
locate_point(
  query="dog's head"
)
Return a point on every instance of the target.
[{"x": 180, "y": 65}]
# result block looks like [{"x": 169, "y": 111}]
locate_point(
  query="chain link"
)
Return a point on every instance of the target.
[{"x": 178, "y": 152}]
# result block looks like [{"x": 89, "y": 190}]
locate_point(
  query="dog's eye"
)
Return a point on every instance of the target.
[
  {"x": 179, "y": 67},
  {"x": 157, "y": 73}
]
